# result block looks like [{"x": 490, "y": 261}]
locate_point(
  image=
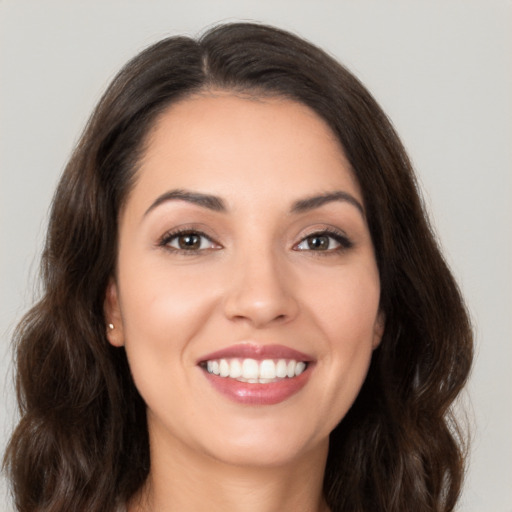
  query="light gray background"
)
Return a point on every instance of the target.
[{"x": 442, "y": 70}]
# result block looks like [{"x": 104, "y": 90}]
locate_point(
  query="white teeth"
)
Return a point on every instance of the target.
[
  {"x": 290, "y": 371},
  {"x": 250, "y": 369},
  {"x": 253, "y": 371},
  {"x": 281, "y": 369},
  {"x": 235, "y": 369},
  {"x": 299, "y": 367},
  {"x": 223, "y": 368},
  {"x": 267, "y": 369}
]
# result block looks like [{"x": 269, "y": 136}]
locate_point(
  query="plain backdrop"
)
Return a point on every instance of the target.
[{"x": 442, "y": 70}]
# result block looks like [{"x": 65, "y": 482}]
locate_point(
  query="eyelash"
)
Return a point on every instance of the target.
[
  {"x": 168, "y": 237},
  {"x": 339, "y": 237}
]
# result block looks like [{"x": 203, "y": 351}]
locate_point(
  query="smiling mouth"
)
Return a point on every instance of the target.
[{"x": 255, "y": 371}]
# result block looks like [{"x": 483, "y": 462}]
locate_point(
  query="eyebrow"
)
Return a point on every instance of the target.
[
  {"x": 205, "y": 200},
  {"x": 216, "y": 204},
  {"x": 313, "y": 202}
]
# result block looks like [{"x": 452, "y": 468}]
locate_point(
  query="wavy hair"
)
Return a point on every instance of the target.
[{"x": 82, "y": 443}]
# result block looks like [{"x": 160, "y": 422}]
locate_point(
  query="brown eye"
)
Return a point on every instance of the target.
[
  {"x": 324, "y": 241},
  {"x": 188, "y": 241},
  {"x": 318, "y": 242}
]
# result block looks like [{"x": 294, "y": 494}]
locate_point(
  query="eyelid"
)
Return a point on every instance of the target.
[
  {"x": 168, "y": 236},
  {"x": 341, "y": 238}
]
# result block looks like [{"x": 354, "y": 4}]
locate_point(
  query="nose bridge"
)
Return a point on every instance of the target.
[{"x": 261, "y": 290}]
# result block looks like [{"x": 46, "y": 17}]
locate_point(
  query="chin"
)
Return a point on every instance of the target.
[{"x": 266, "y": 447}]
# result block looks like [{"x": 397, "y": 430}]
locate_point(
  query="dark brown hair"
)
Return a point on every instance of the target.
[{"x": 82, "y": 442}]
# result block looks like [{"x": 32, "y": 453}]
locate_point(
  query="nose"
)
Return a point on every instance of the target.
[{"x": 261, "y": 291}]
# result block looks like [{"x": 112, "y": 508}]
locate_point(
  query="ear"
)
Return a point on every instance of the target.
[
  {"x": 113, "y": 318},
  {"x": 378, "y": 329}
]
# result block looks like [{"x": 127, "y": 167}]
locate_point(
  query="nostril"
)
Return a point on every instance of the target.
[{"x": 260, "y": 299}]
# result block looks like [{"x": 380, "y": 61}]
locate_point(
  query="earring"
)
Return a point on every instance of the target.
[{"x": 110, "y": 327}]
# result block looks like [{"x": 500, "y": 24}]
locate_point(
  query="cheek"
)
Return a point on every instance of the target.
[
  {"x": 346, "y": 310},
  {"x": 164, "y": 307},
  {"x": 346, "y": 304},
  {"x": 158, "y": 298},
  {"x": 162, "y": 311}
]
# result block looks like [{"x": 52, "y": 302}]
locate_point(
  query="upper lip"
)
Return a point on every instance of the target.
[{"x": 258, "y": 352}]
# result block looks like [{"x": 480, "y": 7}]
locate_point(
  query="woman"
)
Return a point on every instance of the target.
[{"x": 245, "y": 307}]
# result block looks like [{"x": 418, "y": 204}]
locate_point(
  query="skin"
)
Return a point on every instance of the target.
[{"x": 257, "y": 279}]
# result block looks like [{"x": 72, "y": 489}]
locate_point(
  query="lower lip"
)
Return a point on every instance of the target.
[{"x": 259, "y": 394}]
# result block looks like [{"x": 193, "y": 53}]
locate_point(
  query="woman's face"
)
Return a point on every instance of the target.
[{"x": 247, "y": 292}]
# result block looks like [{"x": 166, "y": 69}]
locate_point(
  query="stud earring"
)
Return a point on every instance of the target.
[{"x": 110, "y": 327}]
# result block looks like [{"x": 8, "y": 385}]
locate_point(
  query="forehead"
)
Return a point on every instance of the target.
[{"x": 235, "y": 146}]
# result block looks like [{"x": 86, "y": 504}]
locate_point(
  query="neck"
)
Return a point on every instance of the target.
[{"x": 187, "y": 482}]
